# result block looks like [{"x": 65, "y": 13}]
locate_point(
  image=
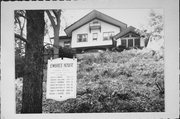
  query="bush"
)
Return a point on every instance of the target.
[
  {"x": 120, "y": 48},
  {"x": 66, "y": 52},
  {"x": 18, "y": 86},
  {"x": 128, "y": 81}
]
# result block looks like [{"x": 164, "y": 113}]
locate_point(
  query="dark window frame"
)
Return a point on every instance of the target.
[
  {"x": 135, "y": 43},
  {"x": 108, "y": 37},
  {"x": 130, "y": 39},
  {"x": 95, "y": 39},
  {"x": 79, "y": 41},
  {"x": 125, "y": 42}
]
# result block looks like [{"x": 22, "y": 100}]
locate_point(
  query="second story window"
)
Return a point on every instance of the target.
[
  {"x": 108, "y": 35},
  {"x": 82, "y": 37},
  {"x": 95, "y": 36}
]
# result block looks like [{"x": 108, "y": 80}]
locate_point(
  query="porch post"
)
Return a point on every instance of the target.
[{"x": 126, "y": 42}]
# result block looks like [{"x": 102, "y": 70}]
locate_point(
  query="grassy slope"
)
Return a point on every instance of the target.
[{"x": 130, "y": 81}]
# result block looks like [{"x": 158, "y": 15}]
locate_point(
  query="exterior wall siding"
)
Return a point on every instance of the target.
[
  {"x": 142, "y": 42},
  {"x": 105, "y": 27}
]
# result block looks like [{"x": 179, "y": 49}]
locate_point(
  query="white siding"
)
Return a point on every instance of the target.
[
  {"x": 105, "y": 27},
  {"x": 142, "y": 42},
  {"x": 118, "y": 42}
]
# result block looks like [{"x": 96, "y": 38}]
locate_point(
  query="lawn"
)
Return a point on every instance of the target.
[{"x": 128, "y": 81}]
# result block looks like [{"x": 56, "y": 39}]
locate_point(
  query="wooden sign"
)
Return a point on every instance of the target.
[{"x": 61, "y": 79}]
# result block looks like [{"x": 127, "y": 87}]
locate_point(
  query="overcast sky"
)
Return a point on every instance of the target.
[{"x": 132, "y": 17}]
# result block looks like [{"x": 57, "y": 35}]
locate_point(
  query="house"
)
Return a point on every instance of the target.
[
  {"x": 99, "y": 31},
  {"x": 65, "y": 41},
  {"x": 129, "y": 38}
]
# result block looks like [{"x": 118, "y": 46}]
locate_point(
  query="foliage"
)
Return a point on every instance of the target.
[
  {"x": 154, "y": 31},
  {"x": 18, "y": 87},
  {"x": 129, "y": 81},
  {"x": 156, "y": 24},
  {"x": 66, "y": 52}
]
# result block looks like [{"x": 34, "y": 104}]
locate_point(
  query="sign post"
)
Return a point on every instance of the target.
[{"x": 61, "y": 79}]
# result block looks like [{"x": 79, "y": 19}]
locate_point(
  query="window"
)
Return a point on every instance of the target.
[
  {"x": 67, "y": 44},
  {"x": 95, "y": 22},
  {"x": 82, "y": 38},
  {"x": 105, "y": 36},
  {"x": 130, "y": 42},
  {"x": 137, "y": 42},
  {"x": 123, "y": 42},
  {"x": 95, "y": 36},
  {"x": 108, "y": 35}
]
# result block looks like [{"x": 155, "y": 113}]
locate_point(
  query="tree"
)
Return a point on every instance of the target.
[
  {"x": 20, "y": 39},
  {"x": 33, "y": 76},
  {"x": 154, "y": 31},
  {"x": 54, "y": 17}
]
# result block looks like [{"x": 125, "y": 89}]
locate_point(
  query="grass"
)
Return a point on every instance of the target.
[{"x": 130, "y": 81}]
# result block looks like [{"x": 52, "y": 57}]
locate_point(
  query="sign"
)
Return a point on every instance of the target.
[{"x": 61, "y": 79}]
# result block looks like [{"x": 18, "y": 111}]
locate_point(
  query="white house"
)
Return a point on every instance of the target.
[
  {"x": 129, "y": 38},
  {"x": 98, "y": 31}
]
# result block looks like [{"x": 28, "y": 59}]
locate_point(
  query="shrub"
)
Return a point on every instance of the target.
[
  {"x": 127, "y": 81},
  {"x": 18, "y": 86},
  {"x": 66, "y": 52}
]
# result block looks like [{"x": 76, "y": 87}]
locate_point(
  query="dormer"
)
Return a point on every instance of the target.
[{"x": 96, "y": 17}]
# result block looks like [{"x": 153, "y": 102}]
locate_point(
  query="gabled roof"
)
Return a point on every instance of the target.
[
  {"x": 129, "y": 29},
  {"x": 62, "y": 37},
  {"x": 94, "y": 15}
]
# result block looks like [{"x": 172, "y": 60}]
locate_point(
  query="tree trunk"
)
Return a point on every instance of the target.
[
  {"x": 33, "y": 77},
  {"x": 56, "y": 43},
  {"x": 56, "y": 28}
]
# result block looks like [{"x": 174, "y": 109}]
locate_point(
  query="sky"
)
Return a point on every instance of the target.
[{"x": 132, "y": 17}]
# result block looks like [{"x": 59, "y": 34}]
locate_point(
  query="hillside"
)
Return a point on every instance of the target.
[{"x": 130, "y": 81}]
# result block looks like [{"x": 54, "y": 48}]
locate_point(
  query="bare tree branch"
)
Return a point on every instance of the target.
[
  {"x": 24, "y": 23},
  {"x": 17, "y": 14},
  {"x": 20, "y": 27},
  {"x": 21, "y": 38},
  {"x": 55, "y": 13},
  {"x": 51, "y": 18}
]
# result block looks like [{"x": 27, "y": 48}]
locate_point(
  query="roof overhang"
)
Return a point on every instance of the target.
[
  {"x": 62, "y": 38},
  {"x": 91, "y": 16},
  {"x": 128, "y": 30}
]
